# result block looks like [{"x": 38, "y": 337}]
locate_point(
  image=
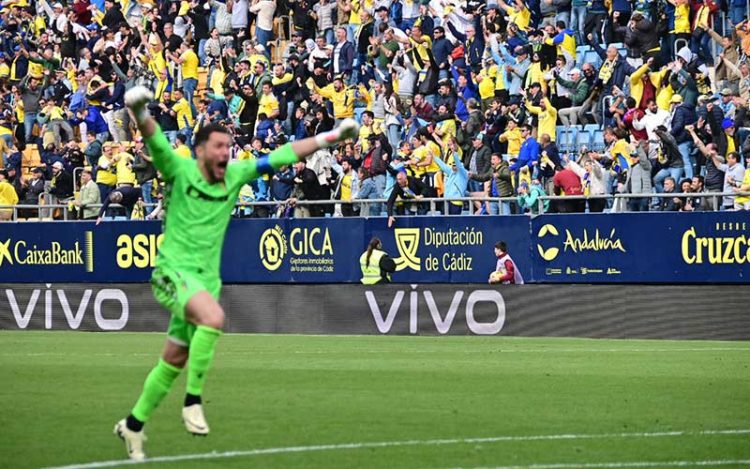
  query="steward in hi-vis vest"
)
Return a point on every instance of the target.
[{"x": 376, "y": 265}]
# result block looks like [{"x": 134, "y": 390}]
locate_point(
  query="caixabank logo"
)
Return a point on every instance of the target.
[
  {"x": 20, "y": 253},
  {"x": 306, "y": 249}
]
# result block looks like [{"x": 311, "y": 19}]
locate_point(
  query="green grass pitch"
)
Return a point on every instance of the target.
[{"x": 546, "y": 403}]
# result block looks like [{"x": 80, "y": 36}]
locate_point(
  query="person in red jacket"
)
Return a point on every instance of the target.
[{"x": 568, "y": 183}]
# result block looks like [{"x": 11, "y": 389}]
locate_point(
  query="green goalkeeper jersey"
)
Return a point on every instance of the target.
[{"x": 197, "y": 212}]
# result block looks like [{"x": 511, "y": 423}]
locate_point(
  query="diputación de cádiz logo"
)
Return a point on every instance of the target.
[
  {"x": 551, "y": 253},
  {"x": 407, "y": 243},
  {"x": 21, "y": 253},
  {"x": 272, "y": 248}
]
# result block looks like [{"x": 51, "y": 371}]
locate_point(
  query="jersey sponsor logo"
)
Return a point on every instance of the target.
[
  {"x": 22, "y": 253},
  {"x": 487, "y": 319},
  {"x": 197, "y": 193}
]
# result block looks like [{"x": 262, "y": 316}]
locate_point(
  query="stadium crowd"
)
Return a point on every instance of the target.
[{"x": 455, "y": 99}]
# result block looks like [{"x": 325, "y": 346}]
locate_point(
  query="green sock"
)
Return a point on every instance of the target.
[
  {"x": 201, "y": 354},
  {"x": 156, "y": 387}
]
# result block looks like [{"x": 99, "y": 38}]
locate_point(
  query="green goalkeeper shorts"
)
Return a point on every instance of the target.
[{"x": 173, "y": 290}]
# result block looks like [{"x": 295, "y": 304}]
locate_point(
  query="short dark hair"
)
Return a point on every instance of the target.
[
  {"x": 560, "y": 24},
  {"x": 501, "y": 246},
  {"x": 181, "y": 137},
  {"x": 205, "y": 132},
  {"x": 527, "y": 127}
]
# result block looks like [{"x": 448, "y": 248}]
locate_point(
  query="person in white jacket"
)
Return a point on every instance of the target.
[
  {"x": 593, "y": 181},
  {"x": 653, "y": 118}
]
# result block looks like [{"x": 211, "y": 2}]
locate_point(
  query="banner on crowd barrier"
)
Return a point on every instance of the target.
[
  {"x": 642, "y": 248},
  {"x": 629, "y": 311},
  {"x": 586, "y": 248}
]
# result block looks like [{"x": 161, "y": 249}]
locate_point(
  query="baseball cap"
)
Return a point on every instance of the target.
[
  {"x": 479, "y": 136},
  {"x": 677, "y": 98},
  {"x": 726, "y": 92},
  {"x": 727, "y": 123}
]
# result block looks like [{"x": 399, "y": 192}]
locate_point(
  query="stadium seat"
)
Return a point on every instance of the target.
[
  {"x": 593, "y": 58},
  {"x": 591, "y": 127},
  {"x": 566, "y": 138},
  {"x": 581, "y": 52},
  {"x": 202, "y": 78},
  {"x": 358, "y": 111},
  {"x": 30, "y": 158},
  {"x": 597, "y": 140},
  {"x": 583, "y": 139}
]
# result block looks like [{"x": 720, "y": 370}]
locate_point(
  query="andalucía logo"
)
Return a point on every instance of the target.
[{"x": 21, "y": 253}]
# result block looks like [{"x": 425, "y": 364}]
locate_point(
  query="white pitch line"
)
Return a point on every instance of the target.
[
  {"x": 391, "y": 444},
  {"x": 384, "y": 352},
  {"x": 719, "y": 462}
]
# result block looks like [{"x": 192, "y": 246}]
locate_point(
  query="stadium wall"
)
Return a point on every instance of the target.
[
  {"x": 658, "y": 248},
  {"x": 596, "y": 311}
]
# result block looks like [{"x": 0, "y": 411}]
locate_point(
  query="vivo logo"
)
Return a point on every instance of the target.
[
  {"x": 442, "y": 323},
  {"x": 73, "y": 313}
]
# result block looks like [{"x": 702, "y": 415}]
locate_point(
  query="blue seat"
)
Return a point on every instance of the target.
[
  {"x": 581, "y": 52},
  {"x": 593, "y": 58},
  {"x": 566, "y": 138},
  {"x": 583, "y": 139},
  {"x": 591, "y": 127},
  {"x": 597, "y": 140}
]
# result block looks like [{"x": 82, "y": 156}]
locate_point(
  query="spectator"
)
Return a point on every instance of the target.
[
  {"x": 89, "y": 197},
  {"x": 501, "y": 184},
  {"x": 567, "y": 183},
  {"x": 126, "y": 196},
  {"x": 61, "y": 186},
  {"x": 669, "y": 204},
  {"x": 528, "y": 198},
  {"x": 8, "y": 196},
  {"x": 407, "y": 190}
]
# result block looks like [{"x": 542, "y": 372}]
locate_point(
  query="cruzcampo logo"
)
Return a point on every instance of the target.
[
  {"x": 551, "y": 253},
  {"x": 272, "y": 248},
  {"x": 407, "y": 242}
]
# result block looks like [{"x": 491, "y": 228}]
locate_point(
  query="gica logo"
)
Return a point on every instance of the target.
[
  {"x": 311, "y": 249},
  {"x": 551, "y": 253},
  {"x": 272, "y": 248}
]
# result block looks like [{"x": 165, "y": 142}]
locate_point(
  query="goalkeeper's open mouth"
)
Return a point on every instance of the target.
[{"x": 220, "y": 169}]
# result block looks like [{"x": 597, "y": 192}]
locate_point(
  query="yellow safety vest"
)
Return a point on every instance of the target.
[{"x": 371, "y": 273}]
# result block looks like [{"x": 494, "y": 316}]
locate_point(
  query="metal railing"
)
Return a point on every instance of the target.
[{"x": 437, "y": 205}]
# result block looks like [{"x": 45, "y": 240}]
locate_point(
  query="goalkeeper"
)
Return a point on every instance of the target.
[{"x": 199, "y": 203}]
